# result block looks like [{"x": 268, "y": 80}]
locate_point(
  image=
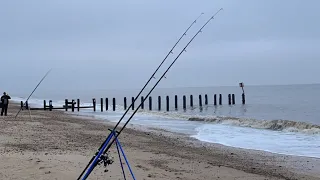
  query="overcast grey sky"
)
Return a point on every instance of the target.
[{"x": 119, "y": 43}]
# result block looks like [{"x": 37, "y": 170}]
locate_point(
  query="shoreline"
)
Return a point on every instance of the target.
[
  {"x": 281, "y": 160},
  {"x": 170, "y": 133},
  {"x": 69, "y": 141}
]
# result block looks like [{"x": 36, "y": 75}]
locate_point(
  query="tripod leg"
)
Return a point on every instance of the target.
[
  {"x": 124, "y": 175},
  {"x": 125, "y": 158}
]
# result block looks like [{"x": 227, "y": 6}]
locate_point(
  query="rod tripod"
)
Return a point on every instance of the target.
[{"x": 106, "y": 160}]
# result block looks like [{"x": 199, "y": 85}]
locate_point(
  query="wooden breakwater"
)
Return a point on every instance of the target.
[
  {"x": 68, "y": 105},
  {"x": 104, "y": 103}
]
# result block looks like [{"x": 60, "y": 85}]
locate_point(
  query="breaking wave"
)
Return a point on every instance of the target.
[{"x": 276, "y": 125}]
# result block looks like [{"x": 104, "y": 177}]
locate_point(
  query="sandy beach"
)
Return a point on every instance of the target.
[{"x": 57, "y": 145}]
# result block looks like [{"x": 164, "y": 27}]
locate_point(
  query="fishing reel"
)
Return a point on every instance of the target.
[{"x": 106, "y": 160}]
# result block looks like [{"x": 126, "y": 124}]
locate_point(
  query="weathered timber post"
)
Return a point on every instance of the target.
[
  {"x": 191, "y": 100},
  {"x": 44, "y": 105},
  {"x": 206, "y": 99},
  {"x": 113, "y": 104},
  {"x": 132, "y": 100},
  {"x": 125, "y": 103},
  {"x": 101, "y": 103},
  {"x": 176, "y": 102},
  {"x": 78, "y": 104},
  {"x": 167, "y": 100},
  {"x": 243, "y": 98},
  {"x": 66, "y": 104},
  {"x": 107, "y": 104},
  {"x": 50, "y": 105},
  {"x": 229, "y": 99},
  {"x": 200, "y": 100},
  {"x": 142, "y": 103},
  {"x": 150, "y": 103},
  {"x": 184, "y": 99},
  {"x": 159, "y": 103},
  {"x": 94, "y": 104},
  {"x": 233, "y": 99},
  {"x": 243, "y": 95},
  {"x": 215, "y": 99},
  {"x": 72, "y": 105}
]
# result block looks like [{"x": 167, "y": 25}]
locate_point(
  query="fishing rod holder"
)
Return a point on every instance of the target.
[{"x": 107, "y": 160}]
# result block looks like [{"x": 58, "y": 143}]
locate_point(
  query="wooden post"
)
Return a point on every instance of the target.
[
  {"x": 107, "y": 104},
  {"x": 72, "y": 105},
  {"x": 94, "y": 104},
  {"x": 206, "y": 99},
  {"x": 113, "y": 104},
  {"x": 78, "y": 104},
  {"x": 191, "y": 100},
  {"x": 132, "y": 100},
  {"x": 220, "y": 99},
  {"x": 229, "y": 99},
  {"x": 101, "y": 102},
  {"x": 184, "y": 102},
  {"x": 176, "y": 102},
  {"x": 44, "y": 105},
  {"x": 150, "y": 103},
  {"x": 167, "y": 99},
  {"x": 159, "y": 103},
  {"x": 66, "y": 104},
  {"x": 142, "y": 103},
  {"x": 243, "y": 98},
  {"x": 243, "y": 95},
  {"x": 215, "y": 99},
  {"x": 50, "y": 105},
  {"x": 125, "y": 103},
  {"x": 200, "y": 100},
  {"x": 233, "y": 99}
]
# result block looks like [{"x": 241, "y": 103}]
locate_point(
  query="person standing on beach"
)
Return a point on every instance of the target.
[{"x": 5, "y": 102}]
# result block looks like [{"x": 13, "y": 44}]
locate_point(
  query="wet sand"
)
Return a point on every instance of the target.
[{"x": 56, "y": 145}]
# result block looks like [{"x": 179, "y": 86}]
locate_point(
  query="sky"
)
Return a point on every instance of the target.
[{"x": 112, "y": 44}]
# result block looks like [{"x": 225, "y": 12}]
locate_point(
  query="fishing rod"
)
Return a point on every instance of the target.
[
  {"x": 104, "y": 146},
  {"x": 33, "y": 91},
  {"x": 152, "y": 76}
]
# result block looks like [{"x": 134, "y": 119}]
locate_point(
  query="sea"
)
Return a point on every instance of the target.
[{"x": 283, "y": 119}]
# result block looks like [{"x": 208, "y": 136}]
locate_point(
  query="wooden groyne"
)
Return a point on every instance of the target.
[{"x": 104, "y": 103}]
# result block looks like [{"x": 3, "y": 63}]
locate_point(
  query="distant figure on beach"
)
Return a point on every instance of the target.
[{"x": 5, "y": 102}]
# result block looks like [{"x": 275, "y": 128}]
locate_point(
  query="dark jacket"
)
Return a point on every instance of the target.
[{"x": 5, "y": 99}]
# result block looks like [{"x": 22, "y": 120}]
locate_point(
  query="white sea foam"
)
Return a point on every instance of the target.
[
  {"x": 279, "y": 125},
  {"x": 281, "y": 142},
  {"x": 288, "y": 143}
]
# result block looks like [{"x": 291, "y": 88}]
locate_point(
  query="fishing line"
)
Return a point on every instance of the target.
[
  {"x": 33, "y": 91},
  {"x": 163, "y": 75}
]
